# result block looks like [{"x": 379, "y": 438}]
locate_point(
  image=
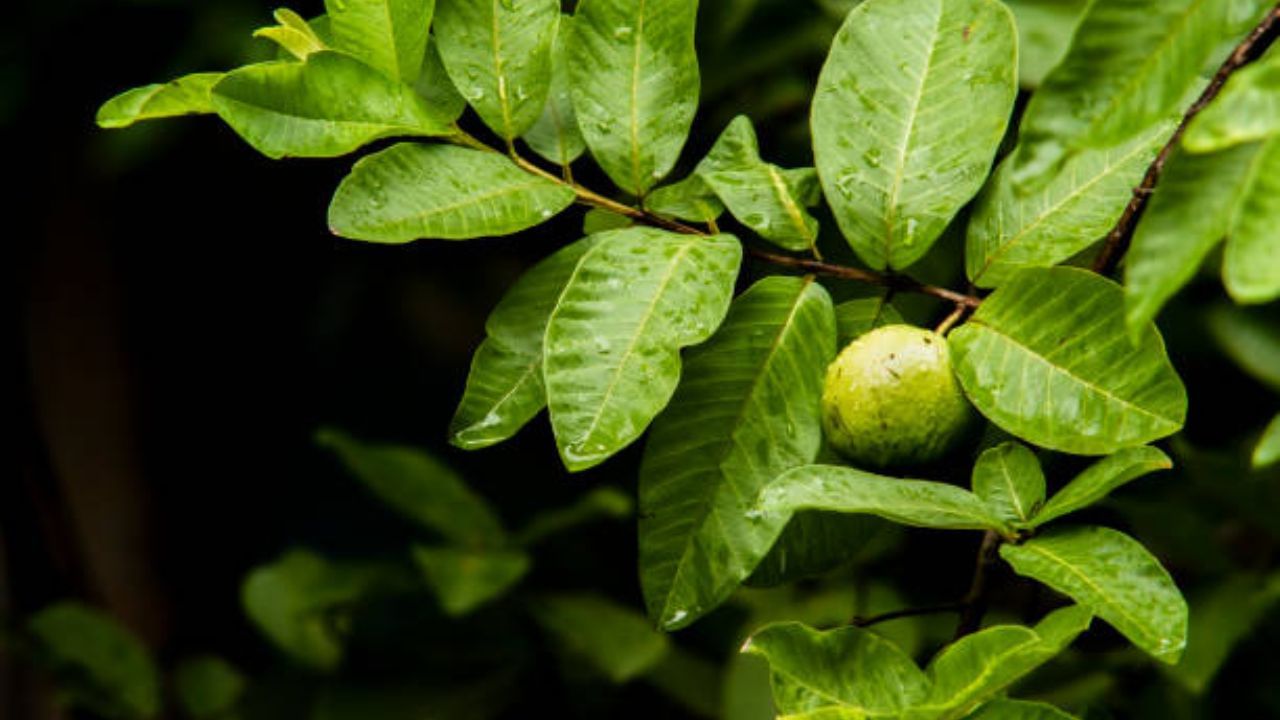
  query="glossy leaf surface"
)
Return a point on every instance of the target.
[
  {"x": 187, "y": 95},
  {"x": 389, "y": 35},
  {"x": 1009, "y": 479}
]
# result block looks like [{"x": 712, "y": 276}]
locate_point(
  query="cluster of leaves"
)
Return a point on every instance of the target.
[{"x": 636, "y": 326}]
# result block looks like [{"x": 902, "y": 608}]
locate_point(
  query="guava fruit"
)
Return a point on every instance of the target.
[{"x": 891, "y": 400}]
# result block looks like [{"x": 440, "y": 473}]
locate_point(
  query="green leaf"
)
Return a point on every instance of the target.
[
  {"x": 208, "y": 687},
  {"x": 691, "y": 680},
  {"x": 411, "y": 191},
  {"x": 504, "y": 389},
  {"x": 293, "y": 34},
  {"x": 1006, "y": 709},
  {"x": 1220, "y": 619},
  {"x": 633, "y": 74},
  {"x": 1247, "y": 110},
  {"x": 1251, "y": 339},
  {"x": 1044, "y": 34},
  {"x": 1112, "y": 575},
  {"x": 616, "y": 640},
  {"x": 746, "y": 409},
  {"x": 555, "y": 135},
  {"x": 598, "y": 220},
  {"x": 1195, "y": 206},
  {"x": 851, "y": 668},
  {"x": 98, "y": 664},
  {"x": 434, "y": 85},
  {"x": 1267, "y": 452},
  {"x": 327, "y": 106},
  {"x": 388, "y": 35},
  {"x": 908, "y": 113},
  {"x": 1251, "y": 266},
  {"x": 499, "y": 55},
  {"x": 600, "y": 503},
  {"x": 1009, "y": 480},
  {"x": 768, "y": 199},
  {"x": 846, "y": 490},
  {"x": 187, "y": 95},
  {"x": 611, "y": 356},
  {"x": 1012, "y": 228},
  {"x": 294, "y": 602},
  {"x": 1047, "y": 359},
  {"x": 1131, "y": 64},
  {"x": 419, "y": 487},
  {"x": 690, "y": 199},
  {"x": 976, "y": 667},
  {"x": 857, "y": 317},
  {"x": 463, "y": 579},
  {"x": 1099, "y": 479}
]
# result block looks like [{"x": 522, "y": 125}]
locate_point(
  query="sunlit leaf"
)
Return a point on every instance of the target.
[
  {"x": 412, "y": 191},
  {"x": 1247, "y": 110},
  {"x": 746, "y": 410},
  {"x": 1267, "y": 452},
  {"x": 555, "y": 135},
  {"x": 464, "y": 579},
  {"x": 1099, "y": 479},
  {"x": 499, "y": 56},
  {"x": 1112, "y": 575},
  {"x": 633, "y": 75},
  {"x": 1009, "y": 479},
  {"x": 187, "y": 95},
  {"x": 389, "y": 35},
  {"x": 208, "y": 687},
  {"x": 616, "y": 640},
  {"x": 909, "y": 110},
  {"x": 611, "y": 356},
  {"x": 293, "y": 34},
  {"x": 1048, "y": 359}
]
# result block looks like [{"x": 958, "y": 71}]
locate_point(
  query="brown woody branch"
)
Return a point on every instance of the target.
[
  {"x": 1249, "y": 49},
  {"x": 897, "y": 283}
]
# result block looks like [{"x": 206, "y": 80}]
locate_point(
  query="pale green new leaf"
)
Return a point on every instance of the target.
[
  {"x": 555, "y": 135},
  {"x": 1251, "y": 265},
  {"x": 208, "y": 687},
  {"x": 690, "y": 199},
  {"x": 504, "y": 389},
  {"x": 499, "y": 56},
  {"x": 463, "y": 580},
  {"x": 1267, "y": 452},
  {"x": 388, "y": 35},
  {"x": 188, "y": 95},
  {"x": 329, "y": 105},
  {"x": 976, "y": 667},
  {"x": 1006, "y": 709},
  {"x": 1194, "y": 208},
  {"x": 846, "y": 490},
  {"x": 746, "y": 410},
  {"x": 98, "y": 664},
  {"x": 1247, "y": 110},
  {"x": 633, "y": 75},
  {"x": 909, "y": 111},
  {"x": 419, "y": 487},
  {"x": 1099, "y": 479},
  {"x": 1014, "y": 228},
  {"x": 856, "y": 670},
  {"x": 1220, "y": 619},
  {"x": 1112, "y": 575},
  {"x": 616, "y": 640},
  {"x": 1131, "y": 63},
  {"x": 412, "y": 191},
  {"x": 611, "y": 357},
  {"x": 293, "y": 34},
  {"x": 1047, "y": 358},
  {"x": 856, "y": 317},
  {"x": 1009, "y": 480}
]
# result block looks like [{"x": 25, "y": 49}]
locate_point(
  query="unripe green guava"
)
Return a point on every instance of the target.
[{"x": 890, "y": 399}]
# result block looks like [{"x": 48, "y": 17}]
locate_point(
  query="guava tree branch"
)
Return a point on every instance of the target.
[
  {"x": 897, "y": 283},
  {"x": 975, "y": 603},
  {"x": 1249, "y": 49}
]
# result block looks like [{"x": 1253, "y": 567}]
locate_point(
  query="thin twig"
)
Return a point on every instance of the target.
[
  {"x": 950, "y": 321},
  {"x": 975, "y": 603},
  {"x": 897, "y": 283},
  {"x": 1249, "y": 49},
  {"x": 863, "y": 622}
]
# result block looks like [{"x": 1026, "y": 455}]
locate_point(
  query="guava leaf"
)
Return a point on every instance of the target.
[
  {"x": 499, "y": 56},
  {"x": 411, "y": 191},
  {"x": 434, "y": 85},
  {"x": 1099, "y": 479},
  {"x": 464, "y": 579},
  {"x": 1267, "y": 452},
  {"x": 1044, "y": 34},
  {"x": 846, "y": 490},
  {"x": 208, "y": 687},
  {"x": 326, "y": 106},
  {"x": 1220, "y": 619},
  {"x": 504, "y": 388},
  {"x": 1009, "y": 480},
  {"x": 857, "y": 317},
  {"x": 1250, "y": 338},
  {"x": 908, "y": 113},
  {"x": 1012, "y": 229},
  {"x": 616, "y": 640},
  {"x": 555, "y": 134},
  {"x": 1112, "y": 575},
  {"x": 293, "y": 34},
  {"x": 1006, "y": 709},
  {"x": 598, "y": 220},
  {"x": 747, "y": 409},
  {"x": 604, "y": 502},
  {"x": 851, "y": 668},
  {"x": 419, "y": 487},
  {"x": 633, "y": 76},
  {"x": 611, "y": 356},
  {"x": 388, "y": 35},
  {"x": 1247, "y": 110},
  {"x": 98, "y": 664},
  {"x": 188, "y": 95},
  {"x": 1251, "y": 265},
  {"x": 690, "y": 199},
  {"x": 1047, "y": 358}
]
